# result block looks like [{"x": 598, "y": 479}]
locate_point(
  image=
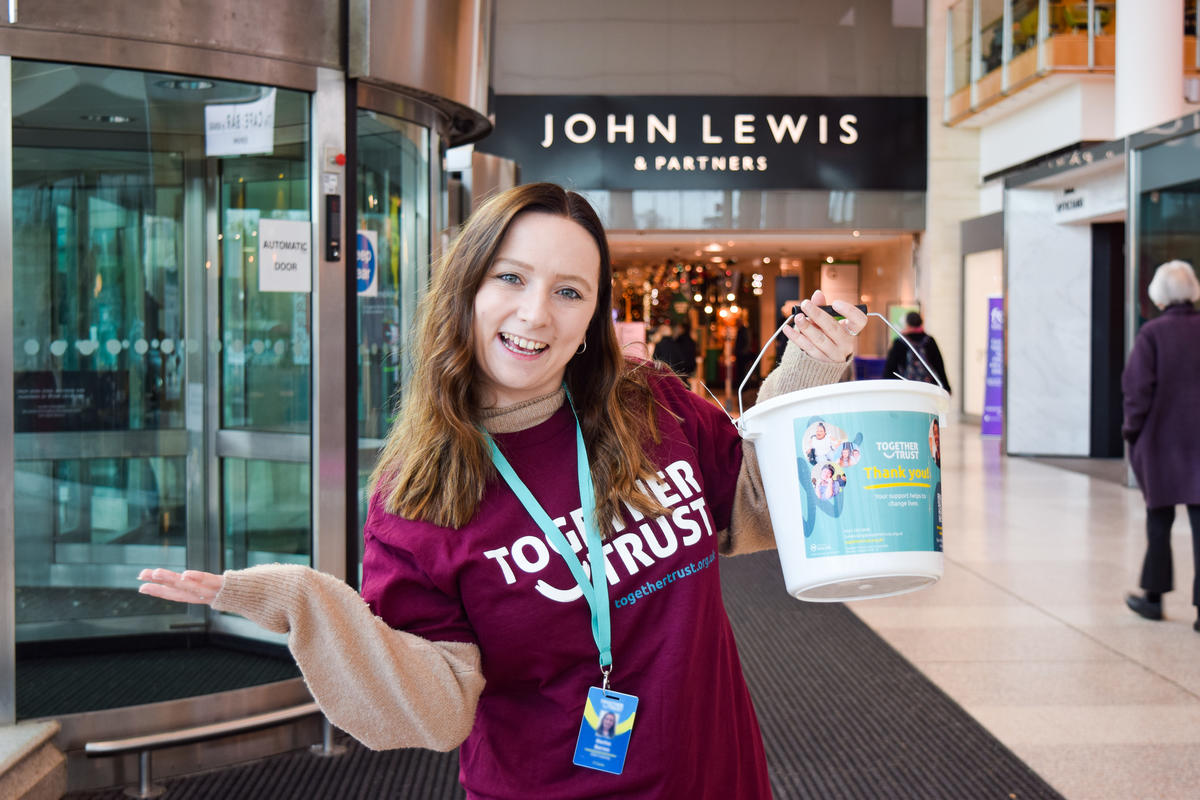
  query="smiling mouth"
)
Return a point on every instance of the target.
[{"x": 525, "y": 347}]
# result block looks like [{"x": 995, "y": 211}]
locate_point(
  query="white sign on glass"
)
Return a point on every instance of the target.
[
  {"x": 284, "y": 255},
  {"x": 234, "y": 129}
]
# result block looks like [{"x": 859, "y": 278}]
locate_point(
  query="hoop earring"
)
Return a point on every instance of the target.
[{"x": 582, "y": 348}]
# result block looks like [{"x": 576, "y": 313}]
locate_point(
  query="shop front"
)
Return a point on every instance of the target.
[{"x": 722, "y": 210}]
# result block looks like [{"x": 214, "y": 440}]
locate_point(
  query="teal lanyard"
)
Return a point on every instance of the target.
[{"x": 595, "y": 589}]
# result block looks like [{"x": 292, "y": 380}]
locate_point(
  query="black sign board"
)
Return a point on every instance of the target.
[
  {"x": 718, "y": 142},
  {"x": 71, "y": 400}
]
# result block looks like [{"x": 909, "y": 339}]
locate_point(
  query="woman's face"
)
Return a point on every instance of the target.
[
  {"x": 608, "y": 721},
  {"x": 533, "y": 307},
  {"x": 827, "y": 472}
]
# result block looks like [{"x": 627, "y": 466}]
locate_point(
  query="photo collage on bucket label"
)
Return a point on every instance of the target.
[{"x": 830, "y": 453}]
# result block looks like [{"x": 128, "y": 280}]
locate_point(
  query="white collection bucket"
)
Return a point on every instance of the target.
[{"x": 852, "y": 475}]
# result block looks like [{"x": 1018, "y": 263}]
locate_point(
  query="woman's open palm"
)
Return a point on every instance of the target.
[{"x": 191, "y": 586}]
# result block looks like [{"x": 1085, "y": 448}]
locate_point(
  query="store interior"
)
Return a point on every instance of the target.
[{"x": 716, "y": 281}]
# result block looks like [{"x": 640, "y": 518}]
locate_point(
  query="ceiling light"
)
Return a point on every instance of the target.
[
  {"x": 713, "y": 247},
  {"x": 766, "y": 259},
  {"x": 855, "y": 234},
  {"x": 110, "y": 119},
  {"x": 697, "y": 297},
  {"x": 185, "y": 85},
  {"x": 829, "y": 259}
]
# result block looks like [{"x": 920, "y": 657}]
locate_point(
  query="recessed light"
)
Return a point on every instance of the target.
[
  {"x": 186, "y": 85},
  {"x": 110, "y": 119}
]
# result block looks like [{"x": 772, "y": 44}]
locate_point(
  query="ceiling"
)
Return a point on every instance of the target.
[{"x": 633, "y": 249}]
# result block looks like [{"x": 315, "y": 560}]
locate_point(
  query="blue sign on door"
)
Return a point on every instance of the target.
[{"x": 367, "y": 265}]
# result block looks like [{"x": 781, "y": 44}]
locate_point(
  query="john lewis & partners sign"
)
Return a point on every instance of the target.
[{"x": 689, "y": 142}]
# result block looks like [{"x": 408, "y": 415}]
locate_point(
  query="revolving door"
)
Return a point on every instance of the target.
[{"x": 162, "y": 369}]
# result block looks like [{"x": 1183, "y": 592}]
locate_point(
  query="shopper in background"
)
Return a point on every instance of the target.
[
  {"x": 677, "y": 349},
  {"x": 1162, "y": 425},
  {"x": 902, "y": 363},
  {"x": 744, "y": 353}
]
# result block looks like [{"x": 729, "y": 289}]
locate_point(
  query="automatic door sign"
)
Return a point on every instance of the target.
[
  {"x": 368, "y": 263},
  {"x": 284, "y": 255}
]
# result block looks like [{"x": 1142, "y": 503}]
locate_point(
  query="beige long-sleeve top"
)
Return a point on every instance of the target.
[{"x": 388, "y": 688}]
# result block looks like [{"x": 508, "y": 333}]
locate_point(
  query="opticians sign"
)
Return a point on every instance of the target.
[
  {"x": 714, "y": 142},
  {"x": 232, "y": 129}
]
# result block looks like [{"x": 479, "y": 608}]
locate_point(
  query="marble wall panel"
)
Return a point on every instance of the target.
[{"x": 1048, "y": 288}]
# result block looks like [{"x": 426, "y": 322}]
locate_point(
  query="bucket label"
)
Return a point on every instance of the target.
[{"x": 870, "y": 482}]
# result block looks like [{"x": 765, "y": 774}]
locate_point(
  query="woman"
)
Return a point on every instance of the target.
[
  {"x": 1162, "y": 392},
  {"x": 608, "y": 725},
  {"x": 477, "y": 578}
]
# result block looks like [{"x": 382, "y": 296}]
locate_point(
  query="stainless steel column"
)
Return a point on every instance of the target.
[
  {"x": 332, "y": 365},
  {"x": 8, "y": 620}
]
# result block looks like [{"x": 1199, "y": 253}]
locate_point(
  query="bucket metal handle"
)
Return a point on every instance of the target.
[{"x": 779, "y": 330}]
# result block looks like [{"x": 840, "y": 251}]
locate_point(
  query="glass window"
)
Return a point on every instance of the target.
[
  {"x": 85, "y": 526},
  {"x": 267, "y": 510},
  {"x": 266, "y": 332},
  {"x": 97, "y": 249},
  {"x": 1168, "y": 211},
  {"x": 393, "y": 256}
]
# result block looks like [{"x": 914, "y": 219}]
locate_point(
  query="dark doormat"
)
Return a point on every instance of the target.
[{"x": 844, "y": 717}]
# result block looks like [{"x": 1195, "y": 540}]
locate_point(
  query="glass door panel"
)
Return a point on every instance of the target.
[
  {"x": 393, "y": 262},
  {"x": 142, "y": 344}
]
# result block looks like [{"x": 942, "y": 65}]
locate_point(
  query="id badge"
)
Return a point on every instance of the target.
[{"x": 605, "y": 730}]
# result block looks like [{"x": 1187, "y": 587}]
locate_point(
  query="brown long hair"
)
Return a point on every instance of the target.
[{"x": 436, "y": 462}]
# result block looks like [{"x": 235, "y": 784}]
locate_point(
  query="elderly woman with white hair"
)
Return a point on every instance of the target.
[{"x": 1162, "y": 395}]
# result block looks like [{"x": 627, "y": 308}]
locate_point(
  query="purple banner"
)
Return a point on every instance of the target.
[{"x": 993, "y": 390}]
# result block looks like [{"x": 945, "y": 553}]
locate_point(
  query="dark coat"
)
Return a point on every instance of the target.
[
  {"x": 899, "y": 351},
  {"x": 1162, "y": 407},
  {"x": 678, "y": 353}
]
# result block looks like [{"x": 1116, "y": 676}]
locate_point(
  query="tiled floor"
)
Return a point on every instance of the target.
[{"x": 1028, "y": 631}]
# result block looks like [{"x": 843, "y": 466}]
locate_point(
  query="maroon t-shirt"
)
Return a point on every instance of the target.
[{"x": 497, "y": 583}]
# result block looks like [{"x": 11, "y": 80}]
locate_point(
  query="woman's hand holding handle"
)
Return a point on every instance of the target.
[{"x": 820, "y": 335}]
